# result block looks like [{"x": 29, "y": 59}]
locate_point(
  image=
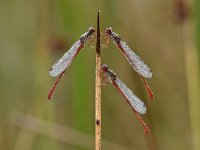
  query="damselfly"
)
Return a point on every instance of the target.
[
  {"x": 136, "y": 104},
  {"x": 138, "y": 65},
  {"x": 64, "y": 62}
]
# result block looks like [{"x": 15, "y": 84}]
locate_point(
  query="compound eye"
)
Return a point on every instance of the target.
[
  {"x": 108, "y": 30},
  {"x": 91, "y": 29},
  {"x": 104, "y": 68}
]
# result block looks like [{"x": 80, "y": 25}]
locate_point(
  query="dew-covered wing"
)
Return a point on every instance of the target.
[
  {"x": 134, "y": 101},
  {"x": 65, "y": 61},
  {"x": 139, "y": 66}
]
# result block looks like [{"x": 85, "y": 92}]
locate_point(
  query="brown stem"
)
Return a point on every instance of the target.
[{"x": 98, "y": 91}]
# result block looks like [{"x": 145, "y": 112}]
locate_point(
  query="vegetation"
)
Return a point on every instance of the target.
[{"x": 34, "y": 34}]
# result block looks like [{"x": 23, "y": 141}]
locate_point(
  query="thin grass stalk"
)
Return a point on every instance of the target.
[
  {"x": 98, "y": 91},
  {"x": 193, "y": 79}
]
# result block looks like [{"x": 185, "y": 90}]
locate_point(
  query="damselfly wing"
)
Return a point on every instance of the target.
[
  {"x": 138, "y": 65},
  {"x": 64, "y": 62},
  {"x": 135, "y": 61},
  {"x": 136, "y": 104}
]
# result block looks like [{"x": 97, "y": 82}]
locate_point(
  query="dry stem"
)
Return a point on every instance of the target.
[{"x": 98, "y": 91}]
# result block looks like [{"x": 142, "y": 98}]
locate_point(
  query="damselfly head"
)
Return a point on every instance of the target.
[
  {"x": 91, "y": 30},
  {"x": 109, "y": 73},
  {"x": 109, "y": 31},
  {"x": 104, "y": 68},
  {"x": 113, "y": 35},
  {"x": 87, "y": 35}
]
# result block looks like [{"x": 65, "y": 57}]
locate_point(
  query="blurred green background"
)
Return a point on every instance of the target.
[{"x": 35, "y": 33}]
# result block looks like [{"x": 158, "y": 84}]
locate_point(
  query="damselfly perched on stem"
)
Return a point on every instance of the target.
[
  {"x": 137, "y": 64},
  {"x": 64, "y": 62},
  {"x": 136, "y": 104}
]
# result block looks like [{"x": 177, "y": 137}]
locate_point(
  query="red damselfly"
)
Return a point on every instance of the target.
[
  {"x": 137, "y": 64},
  {"x": 64, "y": 62},
  {"x": 136, "y": 104}
]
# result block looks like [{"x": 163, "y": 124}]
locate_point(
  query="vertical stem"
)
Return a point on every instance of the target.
[
  {"x": 98, "y": 91},
  {"x": 188, "y": 44}
]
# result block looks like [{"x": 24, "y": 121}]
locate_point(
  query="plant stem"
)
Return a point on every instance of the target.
[
  {"x": 193, "y": 79},
  {"x": 98, "y": 91}
]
